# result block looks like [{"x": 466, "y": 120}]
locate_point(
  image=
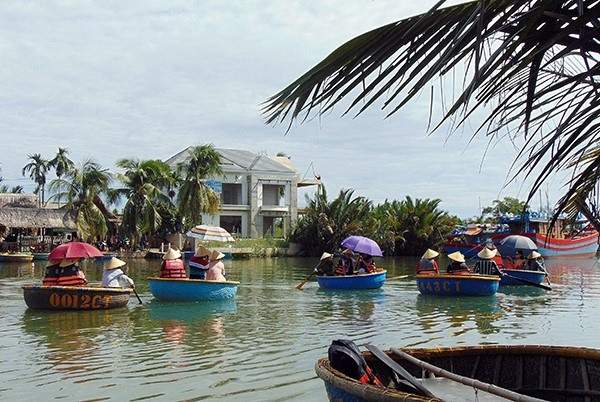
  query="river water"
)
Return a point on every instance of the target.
[{"x": 262, "y": 345}]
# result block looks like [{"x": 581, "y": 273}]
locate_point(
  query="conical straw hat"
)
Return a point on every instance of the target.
[
  {"x": 324, "y": 256},
  {"x": 457, "y": 256},
  {"x": 172, "y": 254},
  {"x": 429, "y": 254},
  {"x": 202, "y": 252},
  {"x": 216, "y": 255},
  {"x": 114, "y": 263},
  {"x": 486, "y": 254},
  {"x": 534, "y": 255}
]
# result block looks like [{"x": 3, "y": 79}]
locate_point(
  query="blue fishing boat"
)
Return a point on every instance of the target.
[
  {"x": 526, "y": 275},
  {"x": 168, "y": 289},
  {"x": 458, "y": 285},
  {"x": 374, "y": 280}
]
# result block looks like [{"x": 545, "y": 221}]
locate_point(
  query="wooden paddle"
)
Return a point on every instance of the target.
[
  {"x": 528, "y": 282},
  {"x": 396, "y": 277},
  {"x": 388, "y": 361},
  {"x": 136, "y": 295}
]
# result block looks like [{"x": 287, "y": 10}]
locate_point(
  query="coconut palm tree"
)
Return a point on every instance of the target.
[
  {"x": 61, "y": 163},
  {"x": 82, "y": 187},
  {"x": 194, "y": 196},
  {"x": 144, "y": 186},
  {"x": 531, "y": 67},
  {"x": 37, "y": 169}
]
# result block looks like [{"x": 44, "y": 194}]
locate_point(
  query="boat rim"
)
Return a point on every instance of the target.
[
  {"x": 383, "y": 271},
  {"x": 77, "y": 288},
  {"x": 187, "y": 280}
]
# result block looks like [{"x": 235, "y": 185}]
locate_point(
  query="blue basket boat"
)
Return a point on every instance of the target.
[
  {"x": 530, "y": 276},
  {"x": 191, "y": 289},
  {"x": 361, "y": 281},
  {"x": 458, "y": 285}
]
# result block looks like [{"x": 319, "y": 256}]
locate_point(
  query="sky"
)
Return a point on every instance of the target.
[{"x": 146, "y": 79}]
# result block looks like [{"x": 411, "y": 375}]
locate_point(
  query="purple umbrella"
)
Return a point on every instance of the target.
[{"x": 362, "y": 244}]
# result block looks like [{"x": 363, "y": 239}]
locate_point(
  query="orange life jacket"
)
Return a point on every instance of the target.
[
  {"x": 71, "y": 276},
  {"x": 51, "y": 277},
  {"x": 173, "y": 269}
]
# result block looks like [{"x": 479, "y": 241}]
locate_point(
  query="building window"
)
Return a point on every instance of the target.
[
  {"x": 232, "y": 224},
  {"x": 273, "y": 226},
  {"x": 231, "y": 194},
  {"x": 272, "y": 194}
]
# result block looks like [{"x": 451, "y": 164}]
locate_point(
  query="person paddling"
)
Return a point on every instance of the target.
[
  {"x": 486, "y": 265},
  {"x": 114, "y": 277}
]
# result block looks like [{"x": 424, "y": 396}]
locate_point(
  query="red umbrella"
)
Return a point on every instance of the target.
[{"x": 74, "y": 249}]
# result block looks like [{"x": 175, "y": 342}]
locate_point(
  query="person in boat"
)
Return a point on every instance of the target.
[
  {"x": 70, "y": 274},
  {"x": 325, "y": 265},
  {"x": 486, "y": 265},
  {"x": 216, "y": 268},
  {"x": 199, "y": 263},
  {"x": 114, "y": 277},
  {"x": 428, "y": 264},
  {"x": 172, "y": 265},
  {"x": 345, "y": 265},
  {"x": 535, "y": 262},
  {"x": 365, "y": 264},
  {"x": 519, "y": 262},
  {"x": 457, "y": 264},
  {"x": 52, "y": 272}
]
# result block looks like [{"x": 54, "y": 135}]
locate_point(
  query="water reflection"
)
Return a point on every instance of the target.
[{"x": 456, "y": 311}]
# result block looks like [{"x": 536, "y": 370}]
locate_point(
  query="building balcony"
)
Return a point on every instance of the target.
[{"x": 274, "y": 210}]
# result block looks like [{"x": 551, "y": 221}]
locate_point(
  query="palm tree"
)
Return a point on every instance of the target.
[
  {"x": 533, "y": 61},
  {"x": 325, "y": 224},
  {"x": 61, "y": 163},
  {"x": 82, "y": 187},
  {"x": 194, "y": 196},
  {"x": 143, "y": 185},
  {"x": 37, "y": 169}
]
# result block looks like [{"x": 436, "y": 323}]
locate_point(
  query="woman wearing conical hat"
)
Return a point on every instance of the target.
[
  {"x": 427, "y": 264},
  {"x": 486, "y": 265},
  {"x": 325, "y": 265},
  {"x": 199, "y": 263},
  {"x": 172, "y": 265},
  {"x": 457, "y": 264},
  {"x": 114, "y": 277},
  {"x": 535, "y": 262},
  {"x": 216, "y": 268}
]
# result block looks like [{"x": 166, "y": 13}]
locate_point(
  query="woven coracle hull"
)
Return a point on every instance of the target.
[
  {"x": 531, "y": 276},
  {"x": 362, "y": 281},
  {"x": 191, "y": 289},
  {"x": 458, "y": 285},
  {"x": 74, "y": 297},
  {"x": 546, "y": 372}
]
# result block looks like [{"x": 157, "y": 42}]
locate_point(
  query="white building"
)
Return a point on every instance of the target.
[{"x": 256, "y": 192}]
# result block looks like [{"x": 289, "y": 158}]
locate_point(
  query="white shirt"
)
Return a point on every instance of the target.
[{"x": 115, "y": 278}]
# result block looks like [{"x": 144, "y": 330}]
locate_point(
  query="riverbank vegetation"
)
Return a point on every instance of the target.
[{"x": 400, "y": 227}]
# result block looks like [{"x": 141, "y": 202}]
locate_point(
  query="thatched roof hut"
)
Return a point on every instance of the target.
[
  {"x": 18, "y": 200},
  {"x": 37, "y": 218}
]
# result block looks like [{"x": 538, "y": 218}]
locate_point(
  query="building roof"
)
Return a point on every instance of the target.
[
  {"x": 237, "y": 159},
  {"x": 18, "y": 200},
  {"x": 36, "y": 218}
]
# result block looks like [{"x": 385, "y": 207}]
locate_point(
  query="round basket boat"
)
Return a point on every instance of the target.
[
  {"x": 557, "y": 373},
  {"x": 74, "y": 297},
  {"x": 168, "y": 289}
]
